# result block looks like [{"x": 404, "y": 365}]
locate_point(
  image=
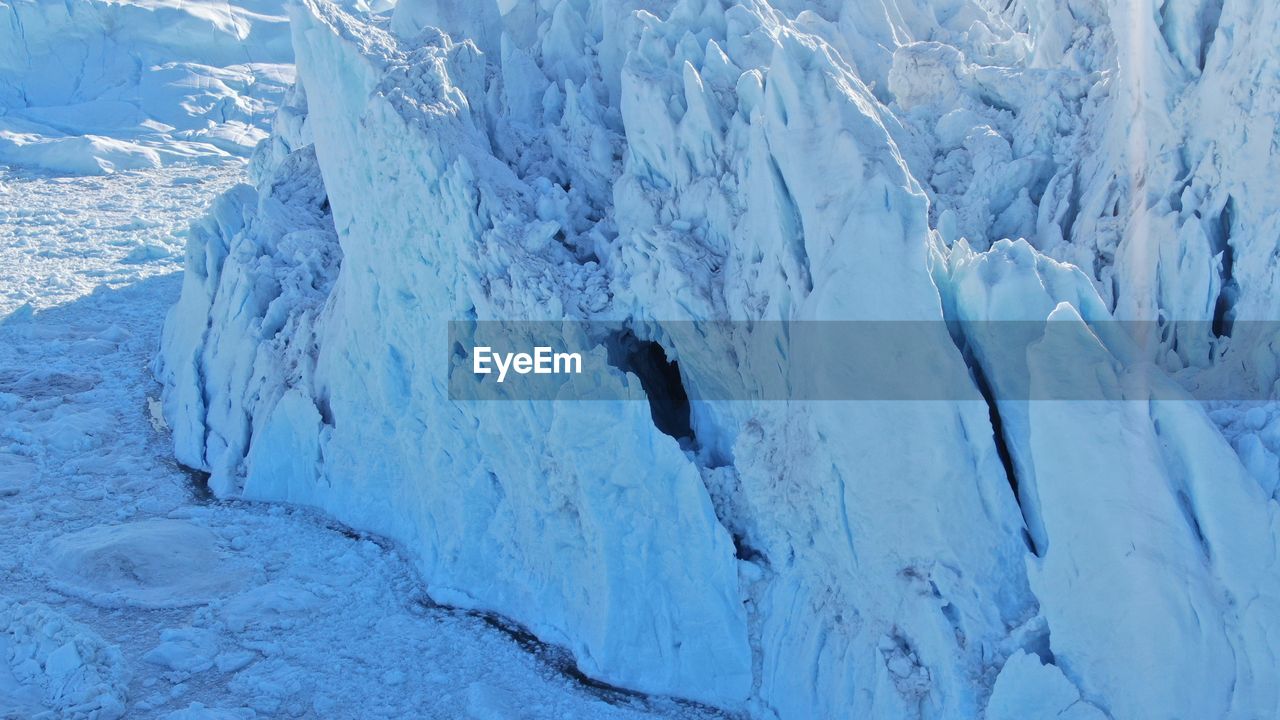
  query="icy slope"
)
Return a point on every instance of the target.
[
  {"x": 659, "y": 162},
  {"x": 89, "y": 86}
]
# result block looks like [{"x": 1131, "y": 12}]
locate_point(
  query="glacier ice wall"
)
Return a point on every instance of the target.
[{"x": 653, "y": 162}]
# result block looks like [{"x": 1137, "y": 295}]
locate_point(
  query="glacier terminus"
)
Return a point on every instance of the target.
[{"x": 697, "y": 228}]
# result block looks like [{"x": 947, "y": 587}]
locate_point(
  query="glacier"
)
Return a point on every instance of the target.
[
  {"x": 93, "y": 87},
  {"x": 1076, "y": 163}
]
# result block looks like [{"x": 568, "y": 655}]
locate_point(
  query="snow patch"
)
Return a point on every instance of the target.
[{"x": 149, "y": 564}]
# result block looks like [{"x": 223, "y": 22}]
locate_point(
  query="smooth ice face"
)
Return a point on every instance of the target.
[
  {"x": 655, "y": 162},
  {"x": 1136, "y": 540}
]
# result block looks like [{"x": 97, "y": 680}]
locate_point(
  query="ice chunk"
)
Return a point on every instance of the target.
[
  {"x": 1027, "y": 688},
  {"x": 52, "y": 664}
]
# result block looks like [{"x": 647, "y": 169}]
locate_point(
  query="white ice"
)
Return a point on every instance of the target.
[
  {"x": 949, "y": 162},
  {"x": 91, "y": 87},
  {"x": 126, "y": 590}
]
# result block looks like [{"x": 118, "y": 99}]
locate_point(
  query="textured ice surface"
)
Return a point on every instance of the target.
[
  {"x": 126, "y": 590},
  {"x": 655, "y": 162},
  {"x": 150, "y": 563},
  {"x": 90, "y": 86},
  {"x": 50, "y": 663}
]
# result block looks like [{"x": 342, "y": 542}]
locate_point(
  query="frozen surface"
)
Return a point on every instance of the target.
[
  {"x": 126, "y": 590},
  {"x": 949, "y": 162},
  {"x": 115, "y": 232},
  {"x": 91, "y": 86},
  {"x": 652, "y": 161}
]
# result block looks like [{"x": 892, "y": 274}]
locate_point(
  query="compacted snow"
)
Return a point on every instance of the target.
[{"x": 126, "y": 589}]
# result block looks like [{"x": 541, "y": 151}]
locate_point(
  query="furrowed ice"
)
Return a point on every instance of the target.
[{"x": 652, "y": 162}]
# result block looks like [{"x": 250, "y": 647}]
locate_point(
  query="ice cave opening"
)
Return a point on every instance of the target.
[{"x": 660, "y": 377}]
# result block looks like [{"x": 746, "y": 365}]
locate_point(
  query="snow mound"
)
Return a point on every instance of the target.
[
  {"x": 92, "y": 87},
  {"x": 51, "y": 666},
  {"x": 184, "y": 650},
  {"x": 149, "y": 563}
]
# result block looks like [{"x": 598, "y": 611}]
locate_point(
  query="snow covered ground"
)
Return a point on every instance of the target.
[{"x": 126, "y": 589}]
